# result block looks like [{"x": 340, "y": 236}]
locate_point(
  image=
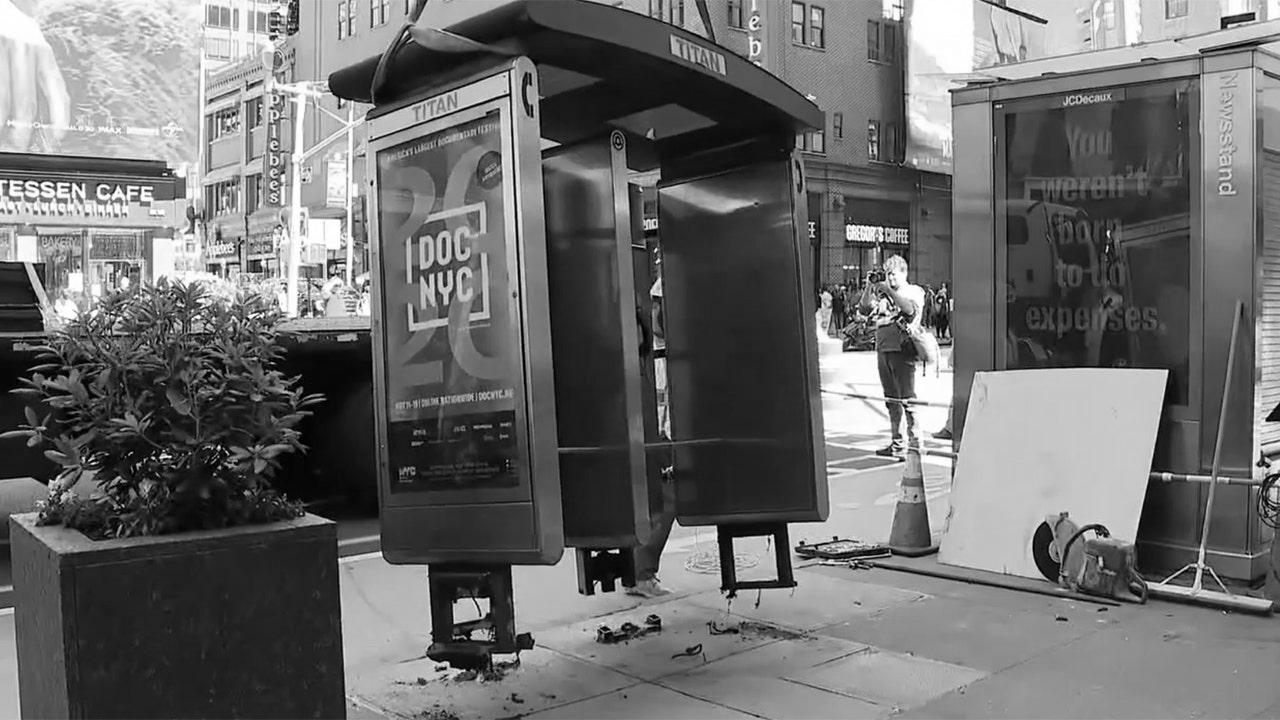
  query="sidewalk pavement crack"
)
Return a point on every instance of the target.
[
  {"x": 841, "y": 693},
  {"x": 709, "y": 701}
]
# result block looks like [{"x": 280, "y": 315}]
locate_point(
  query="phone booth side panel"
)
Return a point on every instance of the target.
[
  {"x": 741, "y": 344},
  {"x": 465, "y": 408},
  {"x": 595, "y": 337}
]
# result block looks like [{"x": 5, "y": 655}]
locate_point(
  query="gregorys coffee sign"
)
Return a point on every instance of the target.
[{"x": 72, "y": 198}]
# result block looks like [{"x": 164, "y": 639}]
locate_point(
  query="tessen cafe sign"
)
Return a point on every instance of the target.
[{"x": 62, "y": 198}]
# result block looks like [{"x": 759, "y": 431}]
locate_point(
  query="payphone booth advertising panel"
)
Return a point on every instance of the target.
[
  {"x": 1115, "y": 221},
  {"x": 466, "y": 414}
]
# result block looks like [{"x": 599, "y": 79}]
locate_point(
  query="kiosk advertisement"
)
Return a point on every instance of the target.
[{"x": 452, "y": 346}]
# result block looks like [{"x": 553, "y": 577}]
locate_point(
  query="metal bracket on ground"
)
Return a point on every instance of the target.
[
  {"x": 782, "y": 552},
  {"x": 451, "y": 641},
  {"x": 607, "y": 567}
]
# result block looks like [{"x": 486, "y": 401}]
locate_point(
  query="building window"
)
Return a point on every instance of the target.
[
  {"x": 797, "y": 22},
  {"x": 217, "y": 48},
  {"x": 253, "y": 112},
  {"x": 671, "y": 11},
  {"x": 223, "y": 198},
  {"x": 873, "y": 140},
  {"x": 346, "y": 18},
  {"x": 837, "y": 125},
  {"x": 894, "y": 10},
  {"x": 218, "y": 16},
  {"x": 817, "y": 24},
  {"x": 891, "y": 144},
  {"x": 1175, "y": 9},
  {"x": 224, "y": 122},
  {"x": 882, "y": 40},
  {"x": 378, "y": 12},
  {"x": 736, "y": 18},
  {"x": 253, "y": 193},
  {"x": 814, "y": 142}
]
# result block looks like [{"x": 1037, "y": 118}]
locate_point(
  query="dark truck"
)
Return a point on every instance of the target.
[{"x": 333, "y": 356}]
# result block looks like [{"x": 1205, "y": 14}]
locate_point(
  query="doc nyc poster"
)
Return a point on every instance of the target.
[{"x": 452, "y": 348}]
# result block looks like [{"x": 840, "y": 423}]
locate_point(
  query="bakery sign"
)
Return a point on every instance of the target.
[{"x": 75, "y": 198}]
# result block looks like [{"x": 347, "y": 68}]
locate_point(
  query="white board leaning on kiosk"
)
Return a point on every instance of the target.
[{"x": 1040, "y": 442}]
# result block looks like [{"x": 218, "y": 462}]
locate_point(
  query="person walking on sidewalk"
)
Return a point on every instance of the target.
[{"x": 895, "y": 305}]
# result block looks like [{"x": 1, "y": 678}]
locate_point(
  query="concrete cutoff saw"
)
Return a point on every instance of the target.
[{"x": 1100, "y": 565}]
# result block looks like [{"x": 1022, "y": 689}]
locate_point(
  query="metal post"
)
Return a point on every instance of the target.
[
  {"x": 295, "y": 206},
  {"x": 351, "y": 143}
]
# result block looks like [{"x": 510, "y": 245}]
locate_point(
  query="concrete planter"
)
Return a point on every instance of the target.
[{"x": 239, "y": 623}]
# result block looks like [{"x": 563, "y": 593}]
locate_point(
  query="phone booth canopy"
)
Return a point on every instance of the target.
[
  {"x": 513, "y": 378},
  {"x": 1130, "y": 199}
]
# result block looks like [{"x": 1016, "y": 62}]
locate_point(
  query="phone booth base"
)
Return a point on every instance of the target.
[{"x": 453, "y": 642}]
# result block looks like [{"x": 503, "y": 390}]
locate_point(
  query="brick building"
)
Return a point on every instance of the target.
[{"x": 847, "y": 54}]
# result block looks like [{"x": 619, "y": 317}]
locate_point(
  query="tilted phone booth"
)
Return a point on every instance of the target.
[{"x": 514, "y": 407}]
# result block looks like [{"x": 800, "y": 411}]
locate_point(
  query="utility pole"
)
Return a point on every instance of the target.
[
  {"x": 295, "y": 205},
  {"x": 302, "y": 92},
  {"x": 351, "y": 149}
]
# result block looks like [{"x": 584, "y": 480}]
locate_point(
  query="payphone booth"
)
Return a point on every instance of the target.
[
  {"x": 1115, "y": 208},
  {"x": 513, "y": 372}
]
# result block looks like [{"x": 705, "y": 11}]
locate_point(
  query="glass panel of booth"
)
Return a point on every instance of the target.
[
  {"x": 451, "y": 330},
  {"x": 1094, "y": 197}
]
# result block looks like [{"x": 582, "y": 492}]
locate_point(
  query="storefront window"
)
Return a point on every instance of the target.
[{"x": 1096, "y": 205}]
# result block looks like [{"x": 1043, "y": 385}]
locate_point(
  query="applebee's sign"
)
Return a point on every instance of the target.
[{"x": 273, "y": 104}]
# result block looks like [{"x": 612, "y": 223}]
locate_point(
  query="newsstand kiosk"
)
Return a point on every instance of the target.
[
  {"x": 1115, "y": 208},
  {"x": 513, "y": 417}
]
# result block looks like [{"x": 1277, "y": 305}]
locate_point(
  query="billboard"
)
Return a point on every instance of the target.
[
  {"x": 104, "y": 78},
  {"x": 948, "y": 43},
  {"x": 452, "y": 343}
]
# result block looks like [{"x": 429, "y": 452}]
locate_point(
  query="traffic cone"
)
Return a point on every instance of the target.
[{"x": 910, "y": 534}]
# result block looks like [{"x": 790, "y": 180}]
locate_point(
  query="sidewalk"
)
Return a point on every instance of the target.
[{"x": 860, "y": 644}]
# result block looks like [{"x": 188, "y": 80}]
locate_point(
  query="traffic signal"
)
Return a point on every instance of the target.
[{"x": 275, "y": 25}]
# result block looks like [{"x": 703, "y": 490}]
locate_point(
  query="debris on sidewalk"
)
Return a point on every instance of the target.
[
  {"x": 628, "y": 631},
  {"x": 691, "y": 651},
  {"x": 842, "y": 549},
  {"x": 748, "y": 628},
  {"x": 438, "y": 713}
]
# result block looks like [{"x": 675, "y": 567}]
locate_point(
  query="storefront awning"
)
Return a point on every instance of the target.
[{"x": 601, "y": 67}]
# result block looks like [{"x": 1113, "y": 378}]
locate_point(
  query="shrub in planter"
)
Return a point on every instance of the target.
[
  {"x": 169, "y": 397},
  {"x": 184, "y": 585}
]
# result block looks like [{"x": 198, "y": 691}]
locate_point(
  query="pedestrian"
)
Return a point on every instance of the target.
[
  {"x": 894, "y": 306},
  {"x": 662, "y": 506},
  {"x": 942, "y": 309},
  {"x": 837, "y": 311},
  {"x": 824, "y": 310}
]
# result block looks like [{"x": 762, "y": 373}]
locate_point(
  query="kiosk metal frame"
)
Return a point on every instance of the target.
[
  {"x": 1228, "y": 85},
  {"x": 719, "y": 132}
]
